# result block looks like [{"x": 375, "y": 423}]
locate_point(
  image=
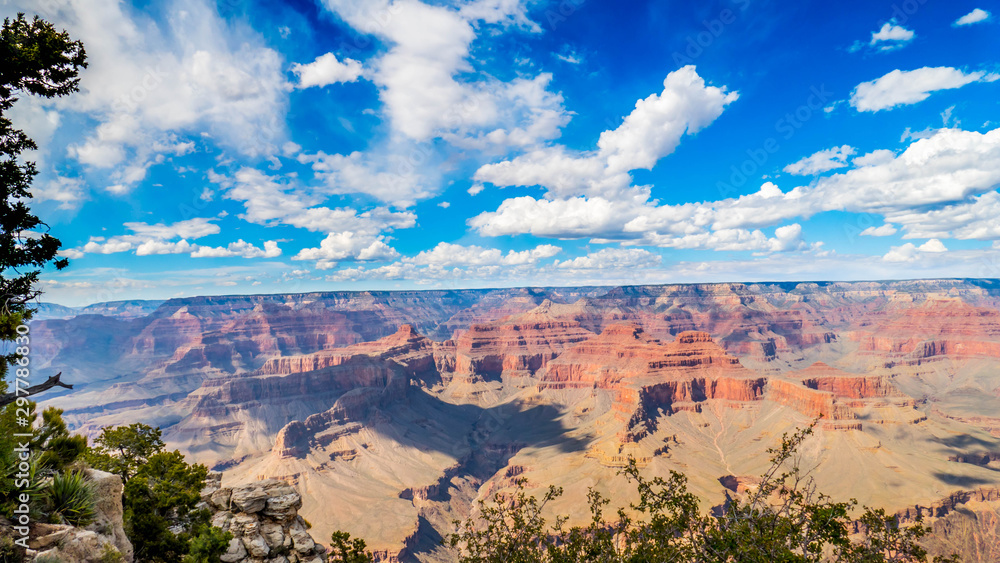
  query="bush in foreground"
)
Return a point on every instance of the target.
[{"x": 785, "y": 520}]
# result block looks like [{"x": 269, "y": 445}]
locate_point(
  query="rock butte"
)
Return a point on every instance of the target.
[{"x": 393, "y": 412}]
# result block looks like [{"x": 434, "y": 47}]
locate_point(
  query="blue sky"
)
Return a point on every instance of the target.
[{"x": 262, "y": 147}]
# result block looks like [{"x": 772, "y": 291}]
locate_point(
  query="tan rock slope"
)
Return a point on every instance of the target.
[{"x": 393, "y": 412}]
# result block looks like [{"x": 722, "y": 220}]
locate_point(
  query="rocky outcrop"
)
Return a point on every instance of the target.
[
  {"x": 263, "y": 518},
  {"x": 98, "y": 541}
]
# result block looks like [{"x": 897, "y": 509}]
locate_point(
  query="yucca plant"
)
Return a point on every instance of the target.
[{"x": 70, "y": 498}]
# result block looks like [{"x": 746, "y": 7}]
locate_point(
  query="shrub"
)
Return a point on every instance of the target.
[
  {"x": 785, "y": 520},
  {"x": 208, "y": 544},
  {"x": 345, "y": 550},
  {"x": 110, "y": 554},
  {"x": 10, "y": 553},
  {"x": 69, "y": 498}
]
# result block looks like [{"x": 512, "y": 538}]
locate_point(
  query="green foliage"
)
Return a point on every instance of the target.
[
  {"x": 161, "y": 491},
  {"x": 784, "y": 520},
  {"x": 10, "y": 553},
  {"x": 124, "y": 449},
  {"x": 345, "y": 550},
  {"x": 40, "y": 61},
  {"x": 69, "y": 498},
  {"x": 110, "y": 554},
  {"x": 51, "y": 446},
  {"x": 207, "y": 545}
]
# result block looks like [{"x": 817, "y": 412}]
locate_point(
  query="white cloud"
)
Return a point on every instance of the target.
[
  {"x": 559, "y": 218},
  {"x": 190, "y": 228},
  {"x": 570, "y": 57},
  {"x": 37, "y": 118},
  {"x": 268, "y": 201},
  {"x": 891, "y": 36},
  {"x": 148, "y": 240},
  {"x": 945, "y": 168},
  {"x": 393, "y": 177},
  {"x": 326, "y": 69},
  {"x": 909, "y": 87},
  {"x": 69, "y": 192},
  {"x": 344, "y": 245},
  {"x": 883, "y": 231},
  {"x": 239, "y": 248},
  {"x": 651, "y": 131},
  {"x": 613, "y": 258},
  {"x": 447, "y": 255},
  {"x": 507, "y": 12},
  {"x": 874, "y": 158},
  {"x": 654, "y": 128},
  {"x": 71, "y": 253},
  {"x": 975, "y": 16},
  {"x": 151, "y": 83},
  {"x": 419, "y": 76},
  {"x": 821, "y": 161},
  {"x": 978, "y": 219},
  {"x": 910, "y": 252},
  {"x": 933, "y": 245},
  {"x": 151, "y": 247}
]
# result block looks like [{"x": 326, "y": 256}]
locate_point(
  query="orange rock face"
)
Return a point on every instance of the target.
[{"x": 522, "y": 345}]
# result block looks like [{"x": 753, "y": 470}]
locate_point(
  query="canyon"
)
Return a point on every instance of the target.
[{"x": 392, "y": 413}]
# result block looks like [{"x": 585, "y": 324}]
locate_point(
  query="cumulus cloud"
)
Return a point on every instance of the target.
[
  {"x": 268, "y": 200},
  {"x": 149, "y": 240},
  {"x": 326, "y": 69},
  {"x": 891, "y": 36},
  {"x": 821, "y": 161},
  {"x": 69, "y": 192},
  {"x": 392, "y": 177},
  {"x": 977, "y": 219},
  {"x": 946, "y": 168},
  {"x": 447, "y": 255},
  {"x": 874, "y": 158},
  {"x": 418, "y": 77},
  {"x": 613, "y": 258},
  {"x": 190, "y": 228},
  {"x": 910, "y": 252},
  {"x": 900, "y": 87},
  {"x": 650, "y": 132},
  {"x": 239, "y": 248},
  {"x": 885, "y": 230},
  {"x": 347, "y": 245},
  {"x": 975, "y": 16},
  {"x": 150, "y": 85}
]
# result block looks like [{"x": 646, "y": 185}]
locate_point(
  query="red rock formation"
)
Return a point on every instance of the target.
[
  {"x": 822, "y": 377},
  {"x": 810, "y": 402},
  {"x": 522, "y": 344}
]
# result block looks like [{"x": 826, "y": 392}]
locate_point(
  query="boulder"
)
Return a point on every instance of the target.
[
  {"x": 220, "y": 499},
  {"x": 248, "y": 498},
  {"x": 81, "y": 546},
  {"x": 109, "y": 513},
  {"x": 235, "y": 553},
  {"x": 256, "y": 545}
]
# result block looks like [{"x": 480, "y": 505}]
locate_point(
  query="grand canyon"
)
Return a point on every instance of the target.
[{"x": 392, "y": 413}]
